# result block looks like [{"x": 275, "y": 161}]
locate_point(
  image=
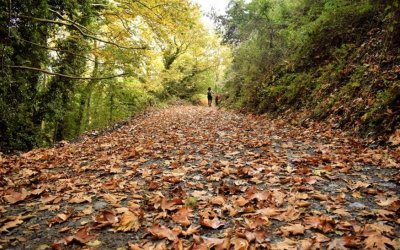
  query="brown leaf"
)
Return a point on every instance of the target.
[
  {"x": 218, "y": 200},
  {"x": 181, "y": 216},
  {"x": 48, "y": 198},
  {"x": 395, "y": 138},
  {"x": 88, "y": 210},
  {"x": 337, "y": 244},
  {"x": 341, "y": 211},
  {"x": 178, "y": 245},
  {"x": 378, "y": 242},
  {"x": 170, "y": 205},
  {"x": 258, "y": 236},
  {"x": 129, "y": 222},
  {"x": 387, "y": 202},
  {"x": 253, "y": 193},
  {"x": 61, "y": 217},
  {"x": 294, "y": 229},
  {"x": 106, "y": 217},
  {"x": 191, "y": 230},
  {"x": 80, "y": 198},
  {"x": 287, "y": 244},
  {"x": 82, "y": 236},
  {"x": 162, "y": 232},
  {"x": 240, "y": 244},
  {"x": 11, "y": 224},
  {"x": 206, "y": 242},
  {"x": 344, "y": 243},
  {"x": 384, "y": 213},
  {"x": 111, "y": 199},
  {"x": 320, "y": 196},
  {"x": 256, "y": 222},
  {"x": 13, "y": 197},
  {"x": 213, "y": 223},
  {"x": 291, "y": 214},
  {"x": 380, "y": 228},
  {"x": 323, "y": 223},
  {"x": 321, "y": 238},
  {"x": 241, "y": 201},
  {"x": 134, "y": 246},
  {"x": 307, "y": 244},
  {"x": 269, "y": 212}
]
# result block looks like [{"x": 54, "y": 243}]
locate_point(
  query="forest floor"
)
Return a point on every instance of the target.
[{"x": 188, "y": 177}]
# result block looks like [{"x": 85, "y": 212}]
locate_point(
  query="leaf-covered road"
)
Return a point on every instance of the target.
[{"x": 195, "y": 178}]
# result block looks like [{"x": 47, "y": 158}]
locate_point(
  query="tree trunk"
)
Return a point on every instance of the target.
[
  {"x": 85, "y": 96},
  {"x": 111, "y": 105}
]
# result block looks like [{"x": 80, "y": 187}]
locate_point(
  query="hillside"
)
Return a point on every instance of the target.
[{"x": 337, "y": 61}]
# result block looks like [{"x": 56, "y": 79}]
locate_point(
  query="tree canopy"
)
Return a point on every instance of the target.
[{"x": 68, "y": 67}]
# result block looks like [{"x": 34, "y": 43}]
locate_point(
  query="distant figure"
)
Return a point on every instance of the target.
[
  {"x": 217, "y": 99},
  {"x": 209, "y": 96}
]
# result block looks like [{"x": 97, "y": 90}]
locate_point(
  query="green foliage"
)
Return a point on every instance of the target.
[
  {"x": 312, "y": 55},
  {"x": 191, "y": 201},
  {"x": 58, "y": 59}
]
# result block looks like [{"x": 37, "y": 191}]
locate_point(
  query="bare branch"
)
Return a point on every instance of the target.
[{"x": 66, "y": 76}]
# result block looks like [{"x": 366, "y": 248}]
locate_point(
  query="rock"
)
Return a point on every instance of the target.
[
  {"x": 389, "y": 185},
  {"x": 357, "y": 205},
  {"x": 98, "y": 205}
]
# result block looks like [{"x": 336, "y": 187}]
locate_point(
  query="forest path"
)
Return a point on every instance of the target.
[{"x": 199, "y": 177}]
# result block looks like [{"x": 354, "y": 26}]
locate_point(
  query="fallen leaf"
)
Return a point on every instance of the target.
[
  {"x": 286, "y": 244},
  {"x": 11, "y": 224},
  {"x": 128, "y": 222},
  {"x": 213, "y": 223},
  {"x": 13, "y": 197},
  {"x": 240, "y": 244},
  {"x": 341, "y": 211},
  {"x": 170, "y": 205},
  {"x": 106, "y": 217},
  {"x": 218, "y": 200},
  {"x": 162, "y": 232},
  {"x": 294, "y": 229},
  {"x": 395, "y": 138},
  {"x": 323, "y": 223},
  {"x": 377, "y": 241},
  {"x": 181, "y": 216},
  {"x": 80, "y": 198},
  {"x": 95, "y": 243},
  {"x": 48, "y": 198},
  {"x": 82, "y": 236},
  {"x": 191, "y": 230}
]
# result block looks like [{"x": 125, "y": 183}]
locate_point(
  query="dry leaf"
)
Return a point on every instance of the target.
[
  {"x": 128, "y": 222},
  {"x": 182, "y": 216},
  {"x": 377, "y": 241},
  {"x": 294, "y": 229},
  {"x": 213, "y": 223},
  {"x": 163, "y": 232},
  {"x": 239, "y": 244},
  {"x": 11, "y": 224},
  {"x": 13, "y": 197}
]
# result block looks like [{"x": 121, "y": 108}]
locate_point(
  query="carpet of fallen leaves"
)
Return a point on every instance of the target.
[{"x": 189, "y": 177}]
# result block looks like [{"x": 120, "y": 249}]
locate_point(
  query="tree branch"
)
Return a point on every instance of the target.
[
  {"x": 73, "y": 25},
  {"x": 70, "y": 21},
  {"x": 72, "y": 53},
  {"x": 66, "y": 76}
]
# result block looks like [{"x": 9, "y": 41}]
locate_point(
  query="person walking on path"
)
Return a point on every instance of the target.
[{"x": 209, "y": 96}]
